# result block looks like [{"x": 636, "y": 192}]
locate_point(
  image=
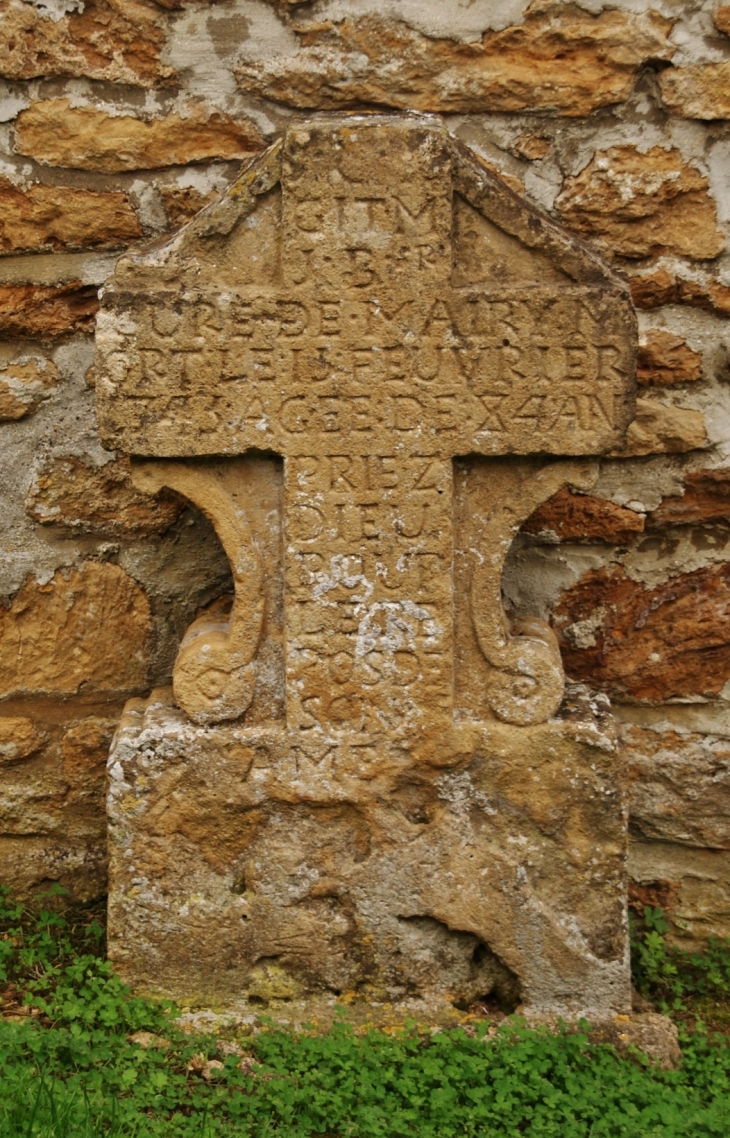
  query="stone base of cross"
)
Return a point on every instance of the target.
[
  {"x": 250, "y": 867},
  {"x": 365, "y": 364}
]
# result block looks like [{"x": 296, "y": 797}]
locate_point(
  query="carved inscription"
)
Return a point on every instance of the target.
[
  {"x": 369, "y": 585},
  {"x": 474, "y": 371},
  {"x": 343, "y": 230},
  {"x": 364, "y": 333}
]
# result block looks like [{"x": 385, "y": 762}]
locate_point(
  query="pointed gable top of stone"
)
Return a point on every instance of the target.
[
  {"x": 480, "y": 186},
  {"x": 366, "y": 252}
]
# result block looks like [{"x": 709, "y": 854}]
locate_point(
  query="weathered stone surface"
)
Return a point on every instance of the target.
[
  {"x": 580, "y": 517},
  {"x": 698, "y": 880},
  {"x": 18, "y": 739},
  {"x": 85, "y": 749},
  {"x": 706, "y": 498},
  {"x": 656, "y": 1035},
  {"x": 670, "y": 642},
  {"x": 118, "y": 40},
  {"x": 58, "y": 134},
  {"x": 714, "y": 296},
  {"x": 183, "y": 202},
  {"x": 98, "y": 499},
  {"x": 32, "y": 795},
  {"x": 722, "y": 18},
  {"x": 24, "y": 384},
  {"x": 679, "y": 786},
  {"x": 53, "y": 217},
  {"x": 52, "y": 790},
  {"x": 30, "y": 861},
  {"x": 47, "y": 312},
  {"x": 662, "y": 428},
  {"x": 510, "y": 180},
  {"x": 90, "y": 626},
  {"x": 660, "y": 894},
  {"x": 373, "y": 304},
  {"x": 665, "y": 359},
  {"x": 641, "y": 205},
  {"x": 377, "y": 913},
  {"x": 698, "y": 92},
  {"x": 654, "y": 290},
  {"x": 559, "y": 57},
  {"x": 531, "y": 146}
]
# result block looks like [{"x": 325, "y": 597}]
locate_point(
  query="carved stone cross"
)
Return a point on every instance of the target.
[{"x": 373, "y": 306}]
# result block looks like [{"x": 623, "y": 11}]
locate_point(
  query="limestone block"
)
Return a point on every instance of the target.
[
  {"x": 666, "y": 359},
  {"x": 533, "y": 147},
  {"x": 77, "y": 861},
  {"x": 69, "y": 492},
  {"x": 679, "y": 786},
  {"x": 697, "y": 881},
  {"x": 722, "y": 18},
  {"x": 698, "y": 92},
  {"x": 85, "y": 749},
  {"x": 662, "y": 428},
  {"x": 669, "y": 642},
  {"x": 114, "y": 40},
  {"x": 642, "y": 204},
  {"x": 581, "y": 517},
  {"x": 89, "y": 626},
  {"x": 47, "y": 312},
  {"x": 44, "y": 218},
  {"x": 18, "y": 739},
  {"x": 52, "y": 788},
  {"x": 714, "y": 296},
  {"x": 654, "y": 290},
  {"x": 32, "y": 800},
  {"x": 244, "y": 866},
  {"x": 656, "y": 1035},
  {"x": 56, "y": 133},
  {"x": 559, "y": 58},
  {"x": 24, "y": 384},
  {"x": 183, "y": 202},
  {"x": 706, "y": 498}
]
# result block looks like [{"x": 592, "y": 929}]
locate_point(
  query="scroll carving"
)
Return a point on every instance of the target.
[
  {"x": 527, "y": 681},
  {"x": 214, "y": 674}
]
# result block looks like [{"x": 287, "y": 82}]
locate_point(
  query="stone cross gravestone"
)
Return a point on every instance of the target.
[{"x": 367, "y": 364}]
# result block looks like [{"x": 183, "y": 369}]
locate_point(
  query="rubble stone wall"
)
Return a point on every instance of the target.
[{"x": 119, "y": 119}]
